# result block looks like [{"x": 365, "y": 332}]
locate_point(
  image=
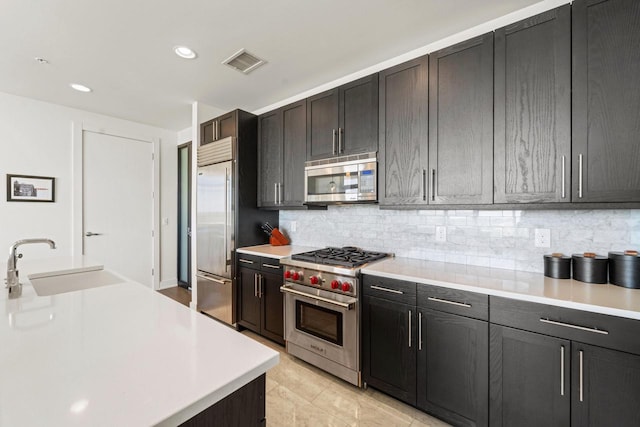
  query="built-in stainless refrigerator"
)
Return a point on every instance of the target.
[
  {"x": 227, "y": 216},
  {"x": 215, "y": 240}
]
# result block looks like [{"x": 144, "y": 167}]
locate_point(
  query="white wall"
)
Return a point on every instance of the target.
[{"x": 36, "y": 139}]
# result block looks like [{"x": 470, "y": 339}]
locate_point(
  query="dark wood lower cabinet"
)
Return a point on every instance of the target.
[
  {"x": 260, "y": 302},
  {"x": 453, "y": 365},
  {"x": 243, "y": 408},
  {"x": 272, "y": 325},
  {"x": 388, "y": 340},
  {"x": 248, "y": 301},
  {"x": 605, "y": 387},
  {"x": 529, "y": 379}
]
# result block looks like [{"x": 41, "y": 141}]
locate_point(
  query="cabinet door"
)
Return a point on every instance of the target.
[
  {"x": 461, "y": 123},
  {"x": 322, "y": 125},
  {"x": 294, "y": 131},
  {"x": 403, "y": 133},
  {"x": 453, "y": 367},
  {"x": 605, "y": 387},
  {"x": 388, "y": 341},
  {"x": 269, "y": 157},
  {"x": 206, "y": 132},
  {"x": 358, "y": 128},
  {"x": 248, "y": 301},
  {"x": 272, "y": 307},
  {"x": 528, "y": 379},
  {"x": 227, "y": 125},
  {"x": 532, "y": 126},
  {"x": 606, "y": 100}
]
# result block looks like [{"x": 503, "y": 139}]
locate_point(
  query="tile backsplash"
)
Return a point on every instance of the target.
[{"x": 501, "y": 239}]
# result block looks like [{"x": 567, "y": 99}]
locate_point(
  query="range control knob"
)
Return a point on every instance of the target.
[
  {"x": 287, "y": 274},
  {"x": 314, "y": 280},
  {"x": 335, "y": 284},
  {"x": 295, "y": 275},
  {"x": 346, "y": 287}
]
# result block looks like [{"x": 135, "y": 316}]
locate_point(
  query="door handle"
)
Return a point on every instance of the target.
[
  {"x": 89, "y": 234},
  {"x": 409, "y": 328},
  {"x": 333, "y": 139},
  {"x": 340, "y": 132}
]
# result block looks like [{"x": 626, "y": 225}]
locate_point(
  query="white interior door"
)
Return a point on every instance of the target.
[{"x": 118, "y": 204}]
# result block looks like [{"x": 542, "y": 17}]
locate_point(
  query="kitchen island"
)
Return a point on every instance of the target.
[{"x": 120, "y": 354}]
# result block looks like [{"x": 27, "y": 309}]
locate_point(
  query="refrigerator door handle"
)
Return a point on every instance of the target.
[{"x": 226, "y": 220}]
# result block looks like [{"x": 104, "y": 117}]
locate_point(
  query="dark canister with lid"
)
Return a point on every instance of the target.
[
  {"x": 624, "y": 269},
  {"x": 590, "y": 268},
  {"x": 557, "y": 266}
]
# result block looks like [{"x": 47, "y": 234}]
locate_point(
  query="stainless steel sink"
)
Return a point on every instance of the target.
[{"x": 62, "y": 283}]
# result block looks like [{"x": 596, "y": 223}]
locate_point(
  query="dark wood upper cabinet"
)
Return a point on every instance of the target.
[
  {"x": 294, "y": 130},
  {"x": 322, "y": 124},
  {"x": 270, "y": 157},
  {"x": 606, "y": 101},
  {"x": 461, "y": 123},
  {"x": 358, "y": 128},
  {"x": 282, "y": 151},
  {"x": 219, "y": 128},
  {"x": 403, "y": 133},
  {"x": 343, "y": 120},
  {"x": 532, "y": 101}
]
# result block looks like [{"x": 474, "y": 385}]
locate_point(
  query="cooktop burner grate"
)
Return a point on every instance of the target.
[{"x": 348, "y": 256}]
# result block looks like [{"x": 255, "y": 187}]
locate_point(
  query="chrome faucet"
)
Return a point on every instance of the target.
[{"x": 12, "y": 280}]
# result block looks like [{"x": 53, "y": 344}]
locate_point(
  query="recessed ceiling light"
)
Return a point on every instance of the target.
[
  {"x": 184, "y": 52},
  {"x": 80, "y": 88}
]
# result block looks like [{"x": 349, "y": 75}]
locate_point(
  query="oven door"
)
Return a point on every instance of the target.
[{"x": 322, "y": 322}]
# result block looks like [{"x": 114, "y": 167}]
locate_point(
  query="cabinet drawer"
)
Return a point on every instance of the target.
[
  {"x": 389, "y": 289},
  {"x": 270, "y": 265},
  {"x": 469, "y": 304},
  {"x": 592, "y": 328},
  {"x": 249, "y": 261}
]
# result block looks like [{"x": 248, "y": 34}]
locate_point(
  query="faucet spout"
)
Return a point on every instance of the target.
[{"x": 13, "y": 281}]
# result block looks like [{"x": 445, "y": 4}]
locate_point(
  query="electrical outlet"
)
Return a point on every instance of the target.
[
  {"x": 543, "y": 238},
  {"x": 441, "y": 234},
  {"x": 294, "y": 226}
]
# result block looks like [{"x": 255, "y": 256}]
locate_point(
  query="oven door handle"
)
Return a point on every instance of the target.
[{"x": 345, "y": 305}]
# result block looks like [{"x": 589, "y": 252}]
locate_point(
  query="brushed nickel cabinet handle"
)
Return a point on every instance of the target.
[
  {"x": 563, "y": 179},
  {"x": 340, "y": 149},
  {"x": 420, "y": 330},
  {"x": 255, "y": 285},
  {"x": 433, "y": 184},
  {"x": 271, "y": 266},
  {"x": 581, "y": 376},
  {"x": 245, "y": 261},
  {"x": 580, "y": 176},
  {"x": 424, "y": 184},
  {"x": 446, "y": 301},
  {"x": 561, "y": 370},
  {"x": 569, "y": 325},
  {"x": 380, "y": 288},
  {"x": 409, "y": 328},
  {"x": 333, "y": 135},
  {"x": 275, "y": 193}
]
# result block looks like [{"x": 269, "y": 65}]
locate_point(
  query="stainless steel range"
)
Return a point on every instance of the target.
[{"x": 322, "y": 311}]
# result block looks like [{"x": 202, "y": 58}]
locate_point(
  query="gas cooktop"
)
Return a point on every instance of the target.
[{"x": 347, "y": 256}]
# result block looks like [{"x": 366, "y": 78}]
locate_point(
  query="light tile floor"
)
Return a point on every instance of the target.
[{"x": 301, "y": 395}]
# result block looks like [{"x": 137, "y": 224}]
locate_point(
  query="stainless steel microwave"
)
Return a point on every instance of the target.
[{"x": 348, "y": 179}]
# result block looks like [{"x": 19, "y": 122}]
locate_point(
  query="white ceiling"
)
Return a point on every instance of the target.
[{"x": 123, "y": 49}]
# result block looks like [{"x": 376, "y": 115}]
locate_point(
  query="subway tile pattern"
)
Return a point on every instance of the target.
[{"x": 500, "y": 239}]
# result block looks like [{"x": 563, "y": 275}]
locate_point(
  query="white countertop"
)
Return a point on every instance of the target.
[
  {"x": 115, "y": 355},
  {"x": 275, "y": 252},
  {"x": 534, "y": 287}
]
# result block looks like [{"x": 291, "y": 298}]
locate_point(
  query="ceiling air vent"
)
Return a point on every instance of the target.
[{"x": 244, "y": 61}]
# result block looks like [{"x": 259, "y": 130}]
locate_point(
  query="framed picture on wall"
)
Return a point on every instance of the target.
[{"x": 28, "y": 188}]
